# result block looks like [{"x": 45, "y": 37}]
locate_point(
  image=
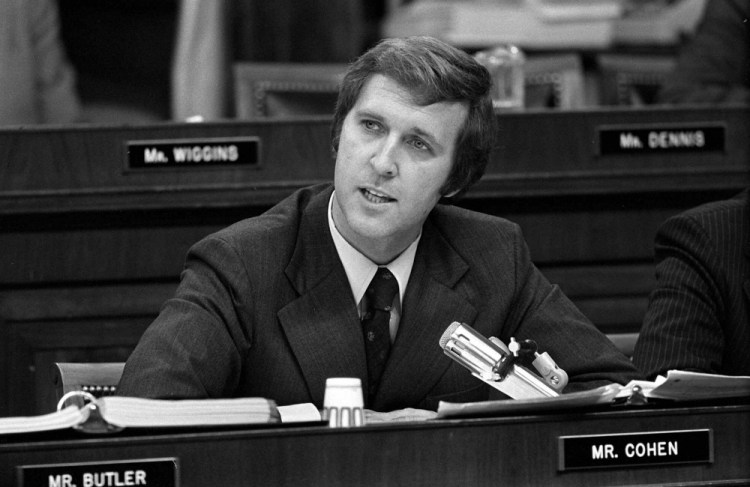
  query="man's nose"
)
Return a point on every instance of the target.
[{"x": 385, "y": 159}]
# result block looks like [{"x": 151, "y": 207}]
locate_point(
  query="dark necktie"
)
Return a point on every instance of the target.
[{"x": 375, "y": 326}]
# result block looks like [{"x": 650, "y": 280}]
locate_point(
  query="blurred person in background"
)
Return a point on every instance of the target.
[
  {"x": 714, "y": 67},
  {"x": 37, "y": 82}
]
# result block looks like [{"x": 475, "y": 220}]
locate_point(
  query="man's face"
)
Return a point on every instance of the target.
[{"x": 393, "y": 158}]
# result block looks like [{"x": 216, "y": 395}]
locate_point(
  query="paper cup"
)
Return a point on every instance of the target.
[{"x": 343, "y": 404}]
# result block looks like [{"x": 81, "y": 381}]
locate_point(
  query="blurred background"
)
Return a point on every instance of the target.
[{"x": 139, "y": 61}]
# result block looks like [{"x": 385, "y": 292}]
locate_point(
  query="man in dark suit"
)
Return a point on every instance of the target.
[
  {"x": 714, "y": 65},
  {"x": 271, "y": 306},
  {"x": 698, "y": 317}
]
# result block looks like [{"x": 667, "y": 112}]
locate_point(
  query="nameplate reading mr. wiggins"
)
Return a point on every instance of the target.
[
  {"x": 635, "y": 449},
  {"x": 162, "y": 472},
  {"x": 193, "y": 153},
  {"x": 661, "y": 139}
]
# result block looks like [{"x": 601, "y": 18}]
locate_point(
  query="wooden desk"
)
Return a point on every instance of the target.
[
  {"x": 92, "y": 248},
  {"x": 517, "y": 450}
]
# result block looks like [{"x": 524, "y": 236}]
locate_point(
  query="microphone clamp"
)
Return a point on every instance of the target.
[{"x": 499, "y": 365}]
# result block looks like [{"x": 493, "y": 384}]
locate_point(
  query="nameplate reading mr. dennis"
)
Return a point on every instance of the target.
[
  {"x": 193, "y": 153},
  {"x": 634, "y": 449}
]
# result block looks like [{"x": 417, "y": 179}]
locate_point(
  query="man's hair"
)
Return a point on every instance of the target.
[{"x": 432, "y": 71}]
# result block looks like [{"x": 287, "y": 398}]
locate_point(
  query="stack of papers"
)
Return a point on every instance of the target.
[
  {"x": 680, "y": 385},
  {"x": 133, "y": 412},
  {"x": 677, "y": 386}
]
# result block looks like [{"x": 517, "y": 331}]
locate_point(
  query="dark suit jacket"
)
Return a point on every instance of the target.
[
  {"x": 714, "y": 65},
  {"x": 264, "y": 308},
  {"x": 697, "y": 317}
]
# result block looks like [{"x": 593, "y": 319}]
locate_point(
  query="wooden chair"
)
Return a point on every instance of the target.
[
  {"x": 554, "y": 81},
  {"x": 98, "y": 379},
  {"x": 264, "y": 90},
  {"x": 632, "y": 80}
]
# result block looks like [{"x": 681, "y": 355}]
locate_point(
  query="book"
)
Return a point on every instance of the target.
[
  {"x": 114, "y": 413},
  {"x": 677, "y": 386}
]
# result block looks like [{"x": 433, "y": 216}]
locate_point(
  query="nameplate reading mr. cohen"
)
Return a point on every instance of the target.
[
  {"x": 195, "y": 153},
  {"x": 632, "y": 449}
]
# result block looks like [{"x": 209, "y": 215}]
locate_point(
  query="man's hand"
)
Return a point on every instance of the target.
[{"x": 408, "y": 414}]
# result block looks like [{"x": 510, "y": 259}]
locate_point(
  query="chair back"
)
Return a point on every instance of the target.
[
  {"x": 98, "y": 379},
  {"x": 264, "y": 90},
  {"x": 633, "y": 80},
  {"x": 554, "y": 81}
]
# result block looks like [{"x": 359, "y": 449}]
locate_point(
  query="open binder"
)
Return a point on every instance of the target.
[{"x": 114, "y": 413}]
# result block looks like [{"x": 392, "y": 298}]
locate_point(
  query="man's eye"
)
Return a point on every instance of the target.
[
  {"x": 371, "y": 125},
  {"x": 420, "y": 145}
]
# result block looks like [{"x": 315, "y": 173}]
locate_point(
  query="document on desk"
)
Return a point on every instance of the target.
[
  {"x": 677, "y": 386},
  {"x": 574, "y": 400},
  {"x": 299, "y": 413},
  {"x": 681, "y": 385}
]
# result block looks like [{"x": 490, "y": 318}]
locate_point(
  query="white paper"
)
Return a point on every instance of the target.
[{"x": 299, "y": 413}]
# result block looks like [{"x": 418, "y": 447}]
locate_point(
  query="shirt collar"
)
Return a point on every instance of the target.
[{"x": 360, "y": 270}]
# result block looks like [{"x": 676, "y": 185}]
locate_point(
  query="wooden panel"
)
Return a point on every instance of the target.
[
  {"x": 514, "y": 450},
  {"x": 602, "y": 280},
  {"x": 47, "y": 303},
  {"x": 83, "y": 168},
  {"x": 546, "y": 153},
  {"x": 594, "y": 228},
  {"x": 98, "y": 254},
  {"x": 613, "y": 297},
  {"x": 79, "y": 324},
  {"x": 32, "y": 348},
  {"x": 553, "y": 152},
  {"x": 91, "y": 249}
]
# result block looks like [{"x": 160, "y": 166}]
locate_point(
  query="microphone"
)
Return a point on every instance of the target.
[{"x": 495, "y": 364}]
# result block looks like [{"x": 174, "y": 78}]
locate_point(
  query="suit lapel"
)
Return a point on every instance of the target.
[
  {"x": 322, "y": 324},
  {"x": 430, "y": 305}
]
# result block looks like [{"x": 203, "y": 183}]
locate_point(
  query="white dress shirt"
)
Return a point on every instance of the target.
[{"x": 360, "y": 270}]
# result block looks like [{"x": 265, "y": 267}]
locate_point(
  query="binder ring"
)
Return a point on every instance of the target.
[{"x": 87, "y": 396}]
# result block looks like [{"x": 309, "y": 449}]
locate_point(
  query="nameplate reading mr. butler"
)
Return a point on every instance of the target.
[
  {"x": 152, "y": 472},
  {"x": 193, "y": 153}
]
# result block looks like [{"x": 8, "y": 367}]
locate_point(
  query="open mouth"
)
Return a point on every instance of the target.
[{"x": 375, "y": 197}]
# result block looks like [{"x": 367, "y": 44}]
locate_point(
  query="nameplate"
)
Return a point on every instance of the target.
[
  {"x": 662, "y": 139},
  {"x": 129, "y": 473},
  {"x": 635, "y": 449},
  {"x": 193, "y": 153}
]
